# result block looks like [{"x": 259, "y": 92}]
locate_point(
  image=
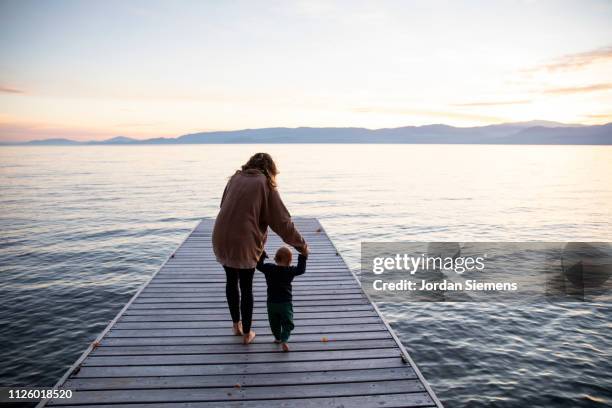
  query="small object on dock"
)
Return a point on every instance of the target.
[{"x": 171, "y": 345}]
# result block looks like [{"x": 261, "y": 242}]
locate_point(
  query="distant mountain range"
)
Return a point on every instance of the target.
[{"x": 533, "y": 132}]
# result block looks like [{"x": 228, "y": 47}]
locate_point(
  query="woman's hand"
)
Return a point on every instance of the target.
[{"x": 304, "y": 250}]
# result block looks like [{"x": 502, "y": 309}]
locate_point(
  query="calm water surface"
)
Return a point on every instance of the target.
[{"x": 83, "y": 227}]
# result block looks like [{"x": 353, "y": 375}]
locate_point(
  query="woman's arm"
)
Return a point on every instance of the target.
[
  {"x": 280, "y": 222},
  {"x": 225, "y": 192}
]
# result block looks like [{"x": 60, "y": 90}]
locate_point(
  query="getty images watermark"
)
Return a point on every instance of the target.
[{"x": 486, "y": 271}]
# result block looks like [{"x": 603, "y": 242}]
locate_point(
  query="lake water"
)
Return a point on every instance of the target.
[{"x": 84, "y": 227}]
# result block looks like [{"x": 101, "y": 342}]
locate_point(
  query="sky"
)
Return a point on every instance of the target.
[{"x": 90, "y": 70}]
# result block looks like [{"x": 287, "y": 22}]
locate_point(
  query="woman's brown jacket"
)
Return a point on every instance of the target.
[{"x": 248, "y": 206}]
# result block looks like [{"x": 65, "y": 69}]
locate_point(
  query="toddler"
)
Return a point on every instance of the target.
[{"x": 279, "y": 276}]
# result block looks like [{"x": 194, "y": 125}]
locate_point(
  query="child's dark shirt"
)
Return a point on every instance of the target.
[{"x": 279, "y": 278}]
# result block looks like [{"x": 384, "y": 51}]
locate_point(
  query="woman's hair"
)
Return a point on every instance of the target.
[{"x": 264, "y": 163}]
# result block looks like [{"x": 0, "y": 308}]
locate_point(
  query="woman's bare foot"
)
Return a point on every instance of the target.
[
  {"x": 248, "y": 338},
  {"x": 238, "y": 329},
  {"x": 285, "y": 346},
  {"x": 277, "y": 341}
]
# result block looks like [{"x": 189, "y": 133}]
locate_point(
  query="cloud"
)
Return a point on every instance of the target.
[
  {"x": 16, "y": 130},
  {"x": 20, "y": 131},
  {"x": 577, "y": 60},
  {"x": 11, "y": 90},
  {"x": 599, "y": 116},
  {"x": 494, "y": 103},
  {"x": 142, "y": 124},
  {"x": 579, "y": 89}
]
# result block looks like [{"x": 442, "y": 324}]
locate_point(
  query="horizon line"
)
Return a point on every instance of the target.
[{"x": 542, "y": 123}]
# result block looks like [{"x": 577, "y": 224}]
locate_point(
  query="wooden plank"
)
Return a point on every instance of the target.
[
  {"x": 216, "y": 269},
  {"x": 223, "y": 308},
  {"x": 217, "y": 299},
  {"x": 353, "y": 328},
  {"x": 299, "y": 290},
  {"x": 190, "y": 273},
  {"x": 322, "y": 281},
  {"x": 199, "y": 256},
  {"x": 197, "y": 273},
  {"x": 268, "y": 347},
  {"x": 257, "y": 303},
  {"x": 196, "y": 258},
  {"x": 256, "y": 285},
  {"x": 230, "y": 340},
  {"x": 260, "y": 323},
  {"x": 252, "y": 380},
  {"x": 261, "y": 283},
  {"x": 223, "y": 316},
  {"x": 400, "y": 400},
  {"x": 211, "y": 267},
  {"x": 246, "y": 393},
  {"x": 231, "y": 358},
  {"x": 237, "y": 368}
]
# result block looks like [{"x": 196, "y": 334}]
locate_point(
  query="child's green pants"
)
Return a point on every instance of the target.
[{"x": 280, "y": 316}]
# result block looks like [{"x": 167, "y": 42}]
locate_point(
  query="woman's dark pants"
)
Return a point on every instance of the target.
[{"x": 240, "y": 301}]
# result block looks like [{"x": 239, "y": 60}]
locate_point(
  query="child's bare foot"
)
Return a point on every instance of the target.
[
  {"x": 277, "y": 341},
  {"x": 238, "y": 329},
  {"x": 248, "y": 338},
  {"x": 285, "y": 346}
]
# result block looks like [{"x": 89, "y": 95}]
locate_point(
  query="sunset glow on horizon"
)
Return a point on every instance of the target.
[{"x": 95, "y": 70}]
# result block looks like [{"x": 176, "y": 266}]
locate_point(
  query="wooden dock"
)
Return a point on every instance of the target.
[{"x": 171, "y": 345}]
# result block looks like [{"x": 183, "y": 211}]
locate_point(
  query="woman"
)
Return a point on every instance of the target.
[{"x": 250, "y": 204}]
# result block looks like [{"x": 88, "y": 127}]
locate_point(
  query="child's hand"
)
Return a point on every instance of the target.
[{"x": 262, "y": 258}]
